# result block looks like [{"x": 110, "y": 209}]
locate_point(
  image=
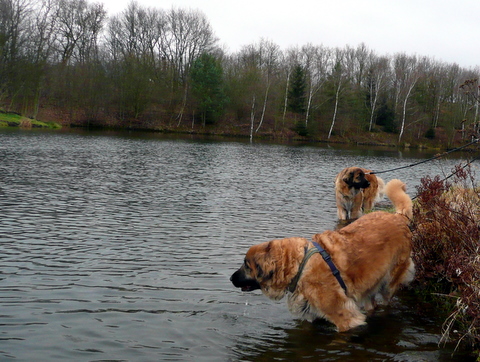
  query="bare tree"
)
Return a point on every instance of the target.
[
  {"x": 188, "y": 35},
  {"x": 93, "y": 22},
  {"x": 69, "y": 15},
  {"x": 290, "y": 58},
  {"x": 340, "y": 77},
  {"x": 378, "y": 74},
  {"x": 407, "y": 71},
  {"x": 269, "y": 56},
  {"x": 360, "y": 60},
  {"x": 471, "y": 89},
  {"x": 14, "y": 27},
  {"x": 44, "y": 31},
  {"x": 137, "y": 32},
  {"x": 79, "y": 26},
  {"x": 39, "y": 47},
  {"x": 14, "y": 33},
  {"x": 252, "y": 118},
  {"x": 249, "y": 76},
  {"x": 317, "y": 61}
]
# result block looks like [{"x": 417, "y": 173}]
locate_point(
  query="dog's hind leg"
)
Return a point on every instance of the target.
[
  {"x": 402, "y": 275},
  {"x": 407, "y": 275},
  {"x": 347, "y": 317},
  {"x": 344, "y": 313}
]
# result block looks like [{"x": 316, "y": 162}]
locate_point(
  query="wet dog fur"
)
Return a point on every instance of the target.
[
  {"x": 372, "y": 255},
  {"x": 356, "y": 191}
]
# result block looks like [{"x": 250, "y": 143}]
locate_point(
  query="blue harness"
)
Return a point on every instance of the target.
[
  {"x": 332, "y": 266},
  {"x": 328, "y": 260}
]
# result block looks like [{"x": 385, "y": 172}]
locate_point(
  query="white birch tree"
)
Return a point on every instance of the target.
[
  {"x": 269, "y": 56},
  {"x": 317, "y": 62},
  {"x": 379, "y": 69},
  {"x": 408, "y": 70},
  {"x": 290, "y": 58},
  {"x": 340, "y": 78}
]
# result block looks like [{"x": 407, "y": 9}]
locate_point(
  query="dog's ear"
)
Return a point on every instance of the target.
[
  {"x": 317, "y": 237},
  {"x": 264, "y": 266},
  {"x": 261, "y": 274},
  {"x": 268, "y": 247},
  {"x": 348, "y": 178},
  {"x": 264, "y": 262}
]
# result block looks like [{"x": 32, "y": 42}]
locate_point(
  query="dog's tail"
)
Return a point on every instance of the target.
[
  {"x": 396, "y": 192},
  {"x": 380, "y": 190}
]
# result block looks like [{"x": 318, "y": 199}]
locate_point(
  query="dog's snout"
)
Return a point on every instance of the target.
[
  {"x": 247, "y": 284},
  {"x": 236, "y": 278}
]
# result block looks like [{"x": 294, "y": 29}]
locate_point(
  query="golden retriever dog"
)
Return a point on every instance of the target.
[
  {"x": 372, "y": 255},
  {"x": 356, "y": 191}
]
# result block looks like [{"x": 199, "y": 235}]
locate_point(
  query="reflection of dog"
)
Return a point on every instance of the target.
[
  {"x": 356, "y": 191},
  {"x": 372, "y": 255}
]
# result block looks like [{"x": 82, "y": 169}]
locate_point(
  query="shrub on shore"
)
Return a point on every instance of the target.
[{"x": 446, "y": 246}]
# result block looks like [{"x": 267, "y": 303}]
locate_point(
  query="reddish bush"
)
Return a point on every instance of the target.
[{"x": 446, "y": 248}]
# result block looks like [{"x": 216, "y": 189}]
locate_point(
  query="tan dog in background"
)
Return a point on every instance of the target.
[
  {"x": 356, "y": 191},
  {"x": 372, "y": 255}
]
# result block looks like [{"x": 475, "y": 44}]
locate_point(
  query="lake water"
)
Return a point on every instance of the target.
[{"x": 120, "y": 247}]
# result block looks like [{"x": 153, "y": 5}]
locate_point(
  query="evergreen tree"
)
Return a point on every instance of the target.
[
  {"x": 297, "y": 90},
  {"x": 208, "y": 87},
  {"x": 386, "y": 117}
]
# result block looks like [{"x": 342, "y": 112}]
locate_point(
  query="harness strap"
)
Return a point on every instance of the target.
[
  {"x": 333, "y": 268},
  {"x": 317, "y": 249},
  {"x": 293, "y": 284}
]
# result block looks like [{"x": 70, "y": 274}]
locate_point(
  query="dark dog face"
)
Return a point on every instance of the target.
[
  {"x": 270, "y": 266},
  {"x": 253, "y": 274},
  {"x": 356, "y": 178},
  {"x": 244, "y": 278}
]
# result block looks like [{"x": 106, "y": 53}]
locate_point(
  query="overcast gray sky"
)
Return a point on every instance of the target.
[{"x": 445, "y": 30}]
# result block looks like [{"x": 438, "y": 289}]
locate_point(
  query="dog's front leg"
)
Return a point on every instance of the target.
[{"x": 357, "y": 206}]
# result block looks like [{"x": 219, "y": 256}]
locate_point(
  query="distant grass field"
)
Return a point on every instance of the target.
[{"x": 16, "y": 120}]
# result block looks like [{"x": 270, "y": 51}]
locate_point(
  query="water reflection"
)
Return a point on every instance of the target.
[
  {"x": 120, "y": 247},
  {"x": 397, "y": 333}
]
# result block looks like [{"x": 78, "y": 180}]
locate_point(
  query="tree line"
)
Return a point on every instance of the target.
[{"x": 164, "y": 69}]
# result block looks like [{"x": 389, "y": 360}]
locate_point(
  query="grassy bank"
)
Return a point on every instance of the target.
[
  {"x": 17, "y": 120},
  {"x": 446, "y": 248}
]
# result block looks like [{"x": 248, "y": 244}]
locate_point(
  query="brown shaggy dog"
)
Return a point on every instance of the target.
[
  {"x": 356, "y": 191},
  {"x": 372, "y": 255}
]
